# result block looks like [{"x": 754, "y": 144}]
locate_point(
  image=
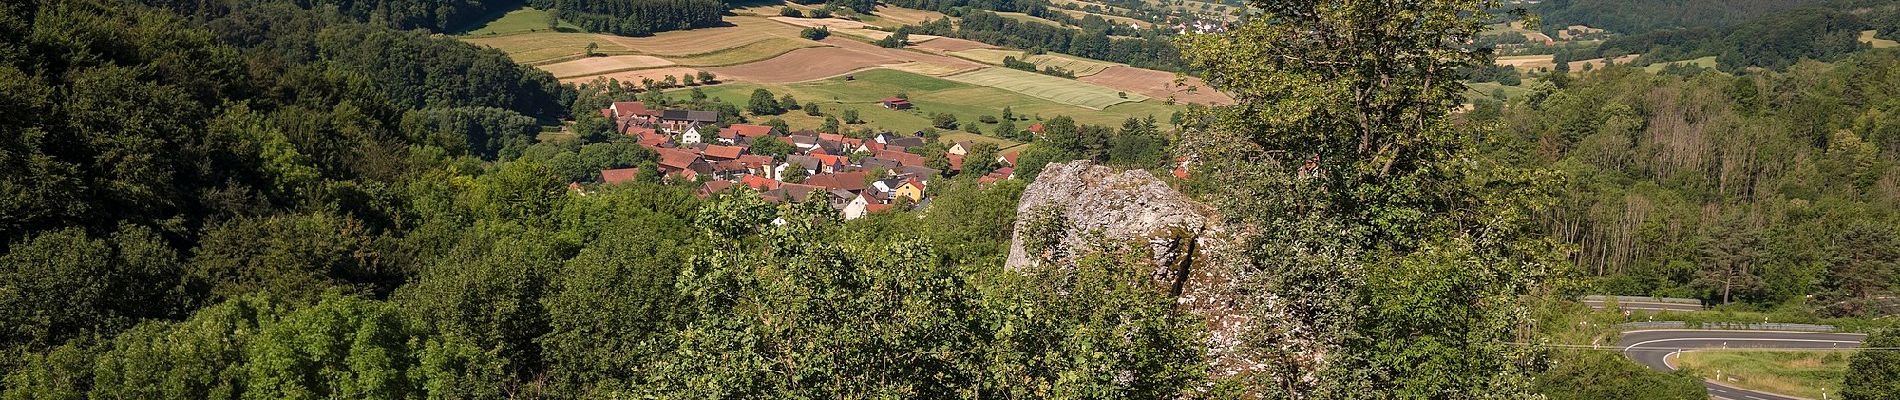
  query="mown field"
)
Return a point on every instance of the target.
[
  {"x": 1704, "y": 62},
  {"x": 1078, "y": 65},
  {"x": 525, "y": 19},
  {"x": 1798, "y": 373},
  {"x": 1060, "y": 90},
  {"x": 1867, "y": 36},
  {"x": 930, "y": 95}
]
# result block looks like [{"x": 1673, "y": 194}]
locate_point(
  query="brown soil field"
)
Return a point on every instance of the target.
[
  {"x": 834, "y": 23},
  {"x": 952, "y": 44},
  {"x": 634, "y": 76},
  {"x": 924, "y": 68},
  {"x": 805, "y": 64},
  {"x": 599, "y": 65},
  {"x": 946, "y": 61},
  {"x": 893, "y": 17},
  {"x": 1157, "y": 84}
]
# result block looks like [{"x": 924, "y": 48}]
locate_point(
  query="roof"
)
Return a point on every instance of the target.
[
  {"x": 851, "y": 181},
  {"x": 912, "y": 141},
  {"x": 956, "y": 161},
  {"x": 808, "y": 162},
  {"x": 725, "y": 152},
  {"x": 965, "y": 144},
  {"x": 1035, "y": 127},
  {"x": 913, "y": 170},
  {"x": 618, "y": 175},
  {"x": 1010, "y": 158},
  {"x": 758, "y": 182},
  {"x": 746, "y": 130},
  {"x": 831, "y": 159},
  {"x": 901, "y": 158},
  {"x": 755, "y": 160},
  {"x": 677, "y": 159},
  {"x": 630, "y": 108},
  {"x": 655, "y": 140},
  {"x": 895, "y": 99},
  {"x": 833, "y": 137},
  {"x": 875, "y": 162},
  {"x": 876, "y": 207},
  {"x": 634, "y": 130},
  {"x": 715, "y": 187}
]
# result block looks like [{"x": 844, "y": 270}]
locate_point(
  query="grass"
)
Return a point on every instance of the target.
[
  {"x": 1484, "y": 90},
  {"x": 1798, "y": 373},
  {"x": 1080, "y": 66},
  {"x": 524, "y": 19},
  {"x": 930, "y": 94},
  {"x": 749, "y": 52},
  {"x": 1066, "y": 91},
  {"x": 1867, "y": 36},
  {"x": 546, "y": 47},
  {"x": 1027, "y": 18},
  {"x": 1704, "y": 62}
]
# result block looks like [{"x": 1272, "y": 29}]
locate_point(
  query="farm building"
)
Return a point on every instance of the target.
[{"x": 896, "y": 103}]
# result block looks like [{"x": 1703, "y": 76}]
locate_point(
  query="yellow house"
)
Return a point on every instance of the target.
[{"x": 912, "y": 189}]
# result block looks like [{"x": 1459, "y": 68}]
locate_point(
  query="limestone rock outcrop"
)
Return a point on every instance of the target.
[{"x": 1183, "y": 238}]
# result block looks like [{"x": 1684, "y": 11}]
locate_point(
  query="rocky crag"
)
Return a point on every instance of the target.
[{"x": 1183, "y": 239}]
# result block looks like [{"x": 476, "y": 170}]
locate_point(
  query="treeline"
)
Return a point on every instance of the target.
[
  {"x": 1759, "y": 188},
  {"x": 1640, "y": 16},
  {"x": 187, "y": 218},
  {"x": 636, "y": 17},
  {"x": 1151, "y": 50},
  {"x": 432, "y": 15},
  {"x": 1765, "y": 34}
]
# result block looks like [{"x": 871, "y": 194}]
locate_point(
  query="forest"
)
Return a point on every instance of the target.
[
  {"x": 636, "y": 17},
  {"x": 1759, "y": 188},
  {"x": 286, "y": 200},
  {"x": 1773, "y": 34}
]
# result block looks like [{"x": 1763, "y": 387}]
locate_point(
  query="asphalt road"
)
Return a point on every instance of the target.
[
  {"x": 1652, "y": 348},
  {"x": 1646, "y": 305}
]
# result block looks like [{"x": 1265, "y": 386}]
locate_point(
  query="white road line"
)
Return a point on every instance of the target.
[{"x": 1633, "y": 346}]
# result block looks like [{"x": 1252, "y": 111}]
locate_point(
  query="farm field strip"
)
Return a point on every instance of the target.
[
  {"x": 1051, "y": 88},
  {"x": 1157, "y": 84},
  {"x": 750, "y": 52},
  {"x": 634, "y": 76},
  {"x": 601, "y": 65},
  {"x": 1078, "y": 65}
]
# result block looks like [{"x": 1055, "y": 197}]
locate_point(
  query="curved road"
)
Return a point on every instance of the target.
[{"x": 1653, "y": 347}]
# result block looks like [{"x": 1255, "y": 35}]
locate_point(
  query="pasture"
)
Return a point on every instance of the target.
[
  {"x": 1078, "y": 65},
  {"x": 1066, "y": 91},
  {"x": 750, "y": 52},
  {"x": 525, "y": 19},
  {"x": 1704, "y": 62},
  {"x": 534, "y": 48},
  {"x": 1158, "y": 84},
  {"x": 634, "y": 76},
  {"x": 1867, "y": 36},
  {"x": 600, "y": 65}
]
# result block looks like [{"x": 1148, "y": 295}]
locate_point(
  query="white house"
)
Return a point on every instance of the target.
[{"x": 690, "y": 136}]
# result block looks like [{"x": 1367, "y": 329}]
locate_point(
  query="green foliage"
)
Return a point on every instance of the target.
[
  {"x": 1603, "y": 375},
  {"x": 762, "y": 103},
  {"x": 772, "y": 146},
  {"x": 64, "y": 284},
  {"x": 1876, "y": 374},
  {"x": 813, "y": 33},
  {"x": 490, "y": 133},
  {"x": 1395, "y": 252}
]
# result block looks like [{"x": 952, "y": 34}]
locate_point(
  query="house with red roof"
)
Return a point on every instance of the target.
[
  {"x": 721, "y": 153},
  {"x": 682, "y": 164},
  {"x": 711, "y": 187},
  {"x": 759, "y": 183},
  {"x": 848, "y": 181},
  {"x": 900, "y": 157},
  {"x": 896, "y": 103},
  {"x": 744, "y": 133},
  {"x": 613, "y": 176},
  {"x": 1036, "y": 128}
]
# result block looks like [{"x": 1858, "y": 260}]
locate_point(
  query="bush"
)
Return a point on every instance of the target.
[
  {"x": 815, "y": 33},
  {"x": 944, "y": 121},
  {"x": 990, "y": 119},
  {"x": 788, "y": 11}
]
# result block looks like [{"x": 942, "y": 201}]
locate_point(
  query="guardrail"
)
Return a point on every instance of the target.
[
  {"x": 1735, "y": 326},
  {"x": 1672, "y": 300}
]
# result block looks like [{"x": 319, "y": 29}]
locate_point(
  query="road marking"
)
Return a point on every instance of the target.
[{"x": 1633, "y": 346}]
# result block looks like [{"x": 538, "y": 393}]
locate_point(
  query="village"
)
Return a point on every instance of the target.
[{"x": 855, "y": 176}]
